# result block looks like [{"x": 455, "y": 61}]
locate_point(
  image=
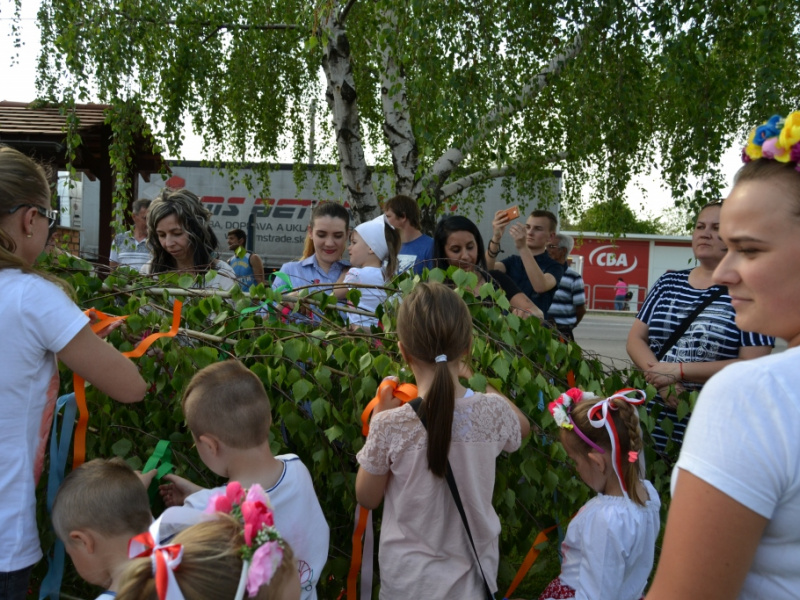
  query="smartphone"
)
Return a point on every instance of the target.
[{"x": 512, "y": 213}]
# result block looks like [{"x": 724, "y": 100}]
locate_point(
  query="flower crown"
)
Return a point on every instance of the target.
[
  {"x": 777, "y": 139},
  {"x": 262, "y": 552},
  {"x": 561, "y": 407}
]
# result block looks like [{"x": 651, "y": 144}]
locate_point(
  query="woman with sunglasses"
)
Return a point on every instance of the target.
[{"x": 39, "y": 320}]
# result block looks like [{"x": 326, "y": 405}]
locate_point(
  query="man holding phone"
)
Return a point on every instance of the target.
[{"x": 534, "y": 272}]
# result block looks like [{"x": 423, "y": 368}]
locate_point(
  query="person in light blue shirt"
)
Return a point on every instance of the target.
[
  {"x": 416, "y": 253},
  {"x": 321, "y": 264}
]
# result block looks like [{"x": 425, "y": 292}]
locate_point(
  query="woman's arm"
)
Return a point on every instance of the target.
[
  {"x": 103, "y": 366},
  {"x": 638, "y": 345},
  {"x": 700, "y": 372},
  {"x": 709, "y": 544},
  {"x": 522, "y": 306}
]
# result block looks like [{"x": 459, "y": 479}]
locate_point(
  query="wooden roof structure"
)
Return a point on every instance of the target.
[{"x": 39, "y": 131}]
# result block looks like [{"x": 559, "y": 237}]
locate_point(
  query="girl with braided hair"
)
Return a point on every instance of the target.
[{"x": 609, "y": 548}]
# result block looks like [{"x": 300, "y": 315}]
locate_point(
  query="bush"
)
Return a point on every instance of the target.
[{"x": 319, "y": 378}]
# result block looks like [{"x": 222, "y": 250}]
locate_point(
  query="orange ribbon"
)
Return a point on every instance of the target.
[
  {"x": 355, "y": 562},
  {"x": 79, "y": 450},
  {"x": 405, "y": 392},
  {"x": 533, "y": 554}
]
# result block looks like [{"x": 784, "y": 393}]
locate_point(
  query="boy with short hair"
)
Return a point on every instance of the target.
[
  {"x": 228, "y": 412},
  {"x": 99, "y": 507}
]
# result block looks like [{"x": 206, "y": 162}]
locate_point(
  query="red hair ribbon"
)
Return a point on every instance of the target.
[
  {"x": 599, "y": 417},
  {"x": 165, "y": 560}
]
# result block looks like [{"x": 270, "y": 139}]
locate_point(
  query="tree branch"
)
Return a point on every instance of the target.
[
  {"x": 344, "y": 12},
  {"x": 459, "y": 185},
  {"x": 451, "y": 159}
]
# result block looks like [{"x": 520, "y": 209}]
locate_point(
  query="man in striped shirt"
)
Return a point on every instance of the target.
[
  {"x": 130, "y": 248},
  {"x": 569, "y": 301}
]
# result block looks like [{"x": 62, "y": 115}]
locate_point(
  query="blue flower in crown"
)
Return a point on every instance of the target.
[{"x": 771, "y": 128}]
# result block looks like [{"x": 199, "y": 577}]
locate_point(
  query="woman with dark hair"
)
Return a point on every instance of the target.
[
  {"x": 181, "y": 239},
  {"x": 457, "y": 242}
]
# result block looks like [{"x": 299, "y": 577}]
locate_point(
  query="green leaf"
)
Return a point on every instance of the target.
[
  {"x": 301, "y": 388},
  {"x": 478, "y": 382},
  {"x": 121, "y": 447},
  {"x": 293, "y": 349},
  {"x": 333, "y": 433},
  {"x": 365, "y": 362}
]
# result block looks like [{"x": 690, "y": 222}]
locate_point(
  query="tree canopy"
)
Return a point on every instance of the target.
[
  {"x": 442, "y": 94},
  {"x": 615, "y": 215}
]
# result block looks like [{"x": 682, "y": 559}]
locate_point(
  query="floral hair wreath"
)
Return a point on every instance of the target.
[
  {"x": 262, "y": 552},
  {"x": 777, "y": 139}
]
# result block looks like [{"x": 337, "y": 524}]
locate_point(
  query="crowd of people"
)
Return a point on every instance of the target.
[{"x": 731, "y": 527}]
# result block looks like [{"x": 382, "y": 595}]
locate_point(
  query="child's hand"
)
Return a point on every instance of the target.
[
  {"x": 146, "y": 478},
  {"x": 386, "y": 400},
  {"x": 175, "y": 492}
]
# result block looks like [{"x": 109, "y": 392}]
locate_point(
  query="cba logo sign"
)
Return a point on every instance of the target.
[{"x": 605, "y": 256}]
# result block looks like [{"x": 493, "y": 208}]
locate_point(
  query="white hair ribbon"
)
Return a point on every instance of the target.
[{"x": 607, "y": 421}]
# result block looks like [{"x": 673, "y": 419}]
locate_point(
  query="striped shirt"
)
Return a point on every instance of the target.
[
  {"x": 126, "y": 251},
  {"x": 712, "y": 336},
  {"x": 569, "y": 294}
]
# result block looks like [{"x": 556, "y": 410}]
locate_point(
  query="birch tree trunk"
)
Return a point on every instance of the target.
[
  {"x": 343, "y": 102},
  {"x": 397, "y": 118}
]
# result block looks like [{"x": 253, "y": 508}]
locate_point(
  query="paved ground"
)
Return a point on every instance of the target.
[{"x": 605, "y": 334}]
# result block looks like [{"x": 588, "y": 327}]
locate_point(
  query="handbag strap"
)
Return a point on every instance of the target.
[
  {"x": 451, "y": 483},
  {"x": 684, "y": 325}
]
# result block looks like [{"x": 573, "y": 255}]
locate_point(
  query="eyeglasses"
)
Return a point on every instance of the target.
[
  {"x": 50, "y": 214},
  {"x": 553, "y": 247}
]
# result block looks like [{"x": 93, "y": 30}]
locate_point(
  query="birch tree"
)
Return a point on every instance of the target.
[{"x": 445, "y": 95}]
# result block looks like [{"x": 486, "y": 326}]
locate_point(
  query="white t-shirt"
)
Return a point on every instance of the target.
[
  {"x": 609, "y": 548},
  {"x": 424, "y": 550},
  {"x": 224, "y": 279},
  {"x": 744, "y": 439},
  {"x": 298, "y": 518},
  {"x": 370, "y": 297},
  {"x": 38, "y": 320}
]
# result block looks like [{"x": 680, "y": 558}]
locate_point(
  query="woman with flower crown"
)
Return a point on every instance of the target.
[{"x": 732, "y": 529}]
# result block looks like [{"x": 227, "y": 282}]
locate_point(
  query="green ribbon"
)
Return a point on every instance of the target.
[{"x": 161, "y": 460}]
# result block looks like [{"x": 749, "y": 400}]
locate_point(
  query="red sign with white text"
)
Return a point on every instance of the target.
[{"x": 604, "y": 261}]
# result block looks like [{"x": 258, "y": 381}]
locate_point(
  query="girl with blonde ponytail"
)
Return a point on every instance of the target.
[
  {"x": 609, "y": 548},
  {"x": 405, "y": 461},
  {"x": 39, "y": 321}
]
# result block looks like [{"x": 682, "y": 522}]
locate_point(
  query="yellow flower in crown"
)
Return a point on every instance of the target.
[
  {"x": 752, "y": 150},
  {"x": 789, "y": 136}
]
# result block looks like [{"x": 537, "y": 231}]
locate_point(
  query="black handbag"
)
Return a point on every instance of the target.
[{"x": 451, "y": 483}]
